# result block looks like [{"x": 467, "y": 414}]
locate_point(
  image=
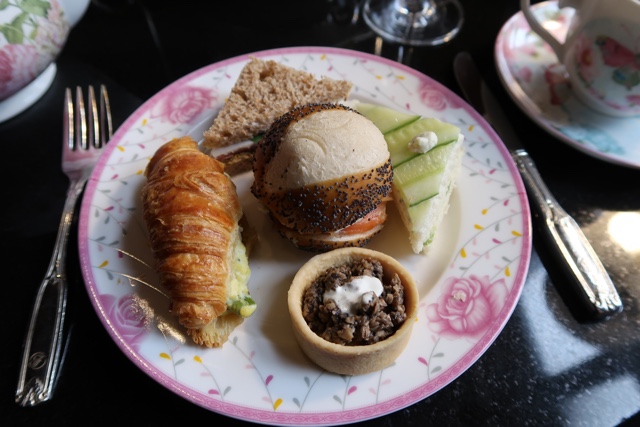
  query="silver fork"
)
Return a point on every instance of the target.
[{"x": 85, "y": 133}]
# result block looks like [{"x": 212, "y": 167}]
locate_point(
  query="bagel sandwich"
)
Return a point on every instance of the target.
[{"x": 323, "y": 173}]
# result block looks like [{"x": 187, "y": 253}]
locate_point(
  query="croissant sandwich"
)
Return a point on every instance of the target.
[{"x": 192, "y": 213}]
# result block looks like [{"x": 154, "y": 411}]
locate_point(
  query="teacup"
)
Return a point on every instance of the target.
[
  {"x": 32, "y": 34},
  {"x": 601, "y": 52}
]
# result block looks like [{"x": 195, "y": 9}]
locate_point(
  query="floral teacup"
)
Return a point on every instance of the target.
[
  {"x": 32, "y": 34},
  {"x": 601, "y": 53}
]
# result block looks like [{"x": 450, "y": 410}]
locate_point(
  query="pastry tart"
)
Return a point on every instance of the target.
[{"x": 354, "y": 347}]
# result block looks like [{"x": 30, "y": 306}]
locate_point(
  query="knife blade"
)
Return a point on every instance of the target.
[{"x": 584, "y": 268}]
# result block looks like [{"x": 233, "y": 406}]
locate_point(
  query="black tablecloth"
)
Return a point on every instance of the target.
[{"x": 550, "y": 365}]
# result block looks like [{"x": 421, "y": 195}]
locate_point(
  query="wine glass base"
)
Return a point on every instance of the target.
[{"x": 436, "y": 23}]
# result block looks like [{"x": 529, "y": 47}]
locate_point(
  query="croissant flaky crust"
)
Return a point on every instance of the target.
[{"x": 192, "y": 211}]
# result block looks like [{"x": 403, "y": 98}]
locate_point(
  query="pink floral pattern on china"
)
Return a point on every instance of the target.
[
  {"x": 30, "y": 39},
  {"x": 539, "y": 84},
  {"x": 434, "y": 97},
  {"x": 481, "y": 264},
  {"x": 184, "y": 104},
  {"x": 128, "y": 315},
  {"x": 608, "y": 70},
  {"x": 467, "y": 306}
]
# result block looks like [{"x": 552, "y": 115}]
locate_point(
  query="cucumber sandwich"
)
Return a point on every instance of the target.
[{"x": 426, "y": 155}]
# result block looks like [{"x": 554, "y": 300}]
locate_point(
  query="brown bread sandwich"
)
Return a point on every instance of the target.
[{"x": 265, "y": 90}]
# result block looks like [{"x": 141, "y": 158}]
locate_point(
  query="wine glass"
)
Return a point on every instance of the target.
[{"x": 414, "y": 22}]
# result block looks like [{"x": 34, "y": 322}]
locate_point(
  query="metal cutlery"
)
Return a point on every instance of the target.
[{"x": 85, "y": 133}]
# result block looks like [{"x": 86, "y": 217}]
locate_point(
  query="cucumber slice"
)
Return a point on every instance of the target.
[
  {"x": 385, "y": 119},
  {"x": 398, "y": 140},
  {"x": 417, "y": 215},
  {"x": 423, "y": 166},
  {"x": 421, "y": 190}
]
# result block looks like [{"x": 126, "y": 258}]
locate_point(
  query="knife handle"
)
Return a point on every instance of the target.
[{"x": 591, "y": 278}]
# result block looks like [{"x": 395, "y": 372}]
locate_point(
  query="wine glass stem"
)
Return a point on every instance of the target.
[
  {"x": 415, "y": 6},
  {"x": 417, "y": 12}
]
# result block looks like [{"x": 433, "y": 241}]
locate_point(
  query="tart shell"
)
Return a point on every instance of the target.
[{"x": 351, "y": 360}]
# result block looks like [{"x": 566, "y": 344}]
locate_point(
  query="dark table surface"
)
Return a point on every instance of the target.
[{"x": 551, "y": 365}]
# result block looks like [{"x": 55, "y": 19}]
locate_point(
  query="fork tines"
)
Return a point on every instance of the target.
[{"x": 82, "y": 128}]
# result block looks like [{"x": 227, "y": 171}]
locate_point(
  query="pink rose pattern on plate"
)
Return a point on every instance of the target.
[
  {"x": 128, "y": 317},
  {"x": 435, "y": 98},
  {"x": 184, "y": 104},
  {"x": 34, "y": 39},
  {"x": 467, "y": 306},
  {"x": 116, "y": 260}
]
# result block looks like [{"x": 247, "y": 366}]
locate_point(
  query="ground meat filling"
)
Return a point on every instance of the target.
[{"x": 374, "y": 321}]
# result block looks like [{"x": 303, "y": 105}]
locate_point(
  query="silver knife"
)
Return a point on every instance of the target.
[{"x": 583, "y": 265}]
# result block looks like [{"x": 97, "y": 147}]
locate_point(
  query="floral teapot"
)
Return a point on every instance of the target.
[{"x": 32, "y": 34}]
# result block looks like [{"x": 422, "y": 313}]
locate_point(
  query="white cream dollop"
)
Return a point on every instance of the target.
[
  {"x": 423, "y": 142},
  {"x": 352, "y": 295}
]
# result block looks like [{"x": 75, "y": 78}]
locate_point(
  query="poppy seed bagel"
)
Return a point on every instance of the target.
[{"x": 321, "y": 168}]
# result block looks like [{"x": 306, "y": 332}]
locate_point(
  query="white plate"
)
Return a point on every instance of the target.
[
  {"x": 530, "y": 72},
  {"x": 260, "y": 375}
]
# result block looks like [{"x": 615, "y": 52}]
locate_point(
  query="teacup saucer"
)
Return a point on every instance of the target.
[{"x": 536, "y": 81}]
